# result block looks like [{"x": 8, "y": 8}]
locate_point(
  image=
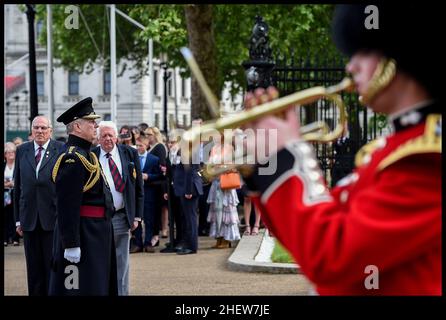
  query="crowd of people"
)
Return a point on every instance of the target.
[
  {"x": 378, "y": 231},
  {"x": 144, "y": 172}
]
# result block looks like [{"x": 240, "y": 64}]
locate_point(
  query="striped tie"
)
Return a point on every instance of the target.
[
  {"x": 119, "y": 184},
  {"x": 39, "y": 155}
]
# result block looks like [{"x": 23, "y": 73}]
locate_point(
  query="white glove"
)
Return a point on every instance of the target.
[{"x": 72, "y": 254}]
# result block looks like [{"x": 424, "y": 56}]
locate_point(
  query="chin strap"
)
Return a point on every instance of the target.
[{"x": 383, "y": 75}]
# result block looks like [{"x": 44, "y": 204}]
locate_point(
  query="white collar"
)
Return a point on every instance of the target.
[
  {"x": 44, "y": 146},
  {"x": 114, "y": 152},
  {"x": 415, "y": 106}
]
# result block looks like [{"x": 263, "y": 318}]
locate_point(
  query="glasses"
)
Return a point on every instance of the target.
[
  {"x": 40, "y": 127},
  {"x": 92, "y": 121}
]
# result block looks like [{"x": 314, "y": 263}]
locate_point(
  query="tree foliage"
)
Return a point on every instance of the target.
[{"x": 298, "y": 27}]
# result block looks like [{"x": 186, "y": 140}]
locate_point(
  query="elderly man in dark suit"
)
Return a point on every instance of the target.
[
  {"x": 188, "y": 187},
  {"x": 122, "y": 169},
  {"x": 35, "y": 202}
]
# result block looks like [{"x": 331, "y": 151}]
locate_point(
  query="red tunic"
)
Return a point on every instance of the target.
[{"x": 386, "y": 214}]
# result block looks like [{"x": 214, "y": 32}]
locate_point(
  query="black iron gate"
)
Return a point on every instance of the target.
[{"x": 293, "y": 74}]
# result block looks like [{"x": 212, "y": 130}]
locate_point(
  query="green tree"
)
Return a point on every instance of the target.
[{"x": 219, "y": 38}]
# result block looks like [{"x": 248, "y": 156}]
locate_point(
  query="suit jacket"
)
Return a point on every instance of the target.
[
  {"x": 152, "y": 168},
  {"x": 159, "y": 150},
  {"x": 186, "y": 180},
  {"x": 131, "y": 174},
  {"x": 35, "y": 198}
]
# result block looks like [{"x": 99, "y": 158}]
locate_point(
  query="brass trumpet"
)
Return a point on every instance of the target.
[
  {"x": 314, "y": 132},
  {"x": 317, "y": 131}
]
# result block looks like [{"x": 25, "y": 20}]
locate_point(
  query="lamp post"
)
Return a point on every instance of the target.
[
  {"x": 16, "y": 98},
  {"x": 260, "y": 64},
  {"x": 166, "y": 77},
  {"x": 171, "y": 246},
  {"x": 30, "y": 13},
  {"x": 6, "y": 111}
]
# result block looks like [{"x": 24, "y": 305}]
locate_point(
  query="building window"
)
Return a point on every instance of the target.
[
  {"x": 40, "y": 83},
  {"x": 185, "y": 120},
  {"x": 106, "y": 117},
  {"x": 171, "y": 120},
  {"x": 157, "y": 120},
  {"x": 183, "y": 87},
  {"x": 155, "y": 82},
  {"x": 107, "y": 83},
  {"x": 73, "y": 83},
  {"x": 169, "y": 84}
]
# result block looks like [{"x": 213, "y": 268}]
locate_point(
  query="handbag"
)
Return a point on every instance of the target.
[{"x": 230, "y": 180}]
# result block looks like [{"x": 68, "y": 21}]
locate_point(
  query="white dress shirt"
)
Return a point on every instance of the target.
[
  {"x": 118, "y": 199},
  {"x": 43, "y": 154}
]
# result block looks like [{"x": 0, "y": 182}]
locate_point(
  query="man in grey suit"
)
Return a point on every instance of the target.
[
  {"x": 35, "y": 202},
  {"x": 122, "y": 169}
]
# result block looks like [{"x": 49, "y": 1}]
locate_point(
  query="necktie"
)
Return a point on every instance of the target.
[
  {"x": 119, "y": 184},
  {"x": 141, "y": 159},
  {"x": 39, "y": 154}
]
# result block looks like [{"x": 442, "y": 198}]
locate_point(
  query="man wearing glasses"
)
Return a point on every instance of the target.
[{"x": 35, "y": 202}]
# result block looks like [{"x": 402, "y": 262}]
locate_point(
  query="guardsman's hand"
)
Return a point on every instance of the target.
[
  {"x": 72, "y": 254},
  {"x": 285, "y": 128}
]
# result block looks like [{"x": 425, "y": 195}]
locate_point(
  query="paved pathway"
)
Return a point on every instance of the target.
[{"x": 204, "y": 273}]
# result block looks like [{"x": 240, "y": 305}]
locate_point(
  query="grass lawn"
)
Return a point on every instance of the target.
[{"x": 280, "y": 254}]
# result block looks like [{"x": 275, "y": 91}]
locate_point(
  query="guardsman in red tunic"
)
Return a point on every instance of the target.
[{"x": 378, "y": 231}]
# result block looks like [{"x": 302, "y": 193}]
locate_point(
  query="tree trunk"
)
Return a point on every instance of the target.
[{"x": 202, "y": 44}]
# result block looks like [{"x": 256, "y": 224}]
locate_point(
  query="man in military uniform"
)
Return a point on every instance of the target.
[
  {"x": 378, "y": 231},
  {"x": 84, "y": 260}
]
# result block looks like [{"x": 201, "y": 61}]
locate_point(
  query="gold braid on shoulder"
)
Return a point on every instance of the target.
[
  {"x": 93, "y": 168},
  {"x": 56, "y": 167}
]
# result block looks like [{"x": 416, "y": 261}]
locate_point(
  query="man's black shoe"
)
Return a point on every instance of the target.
[
  {"x": 150, "y": 249},
  {"x": 136, "y": 249},
  {"x": 185, "y": 251},
  {"x": 179, "y": 247},
  {"x": 168, "y": 250}
]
